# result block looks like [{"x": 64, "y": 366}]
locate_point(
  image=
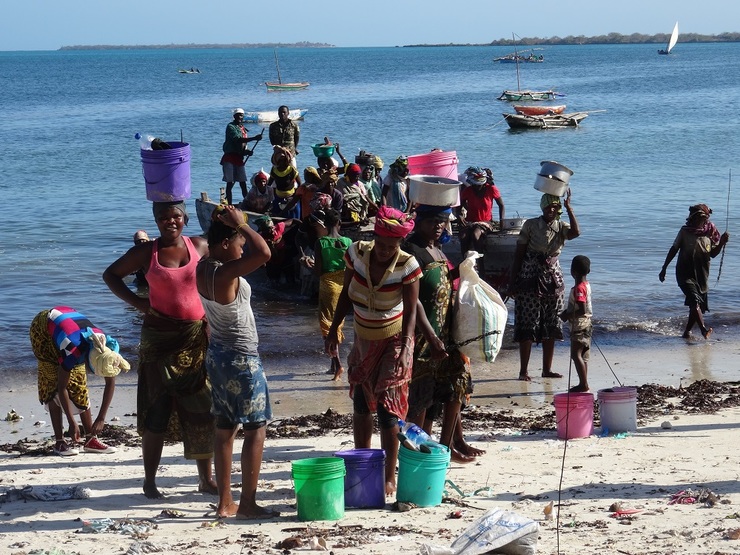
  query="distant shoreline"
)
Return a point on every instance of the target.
[
  {"x": 195, "y": 46},
  {"x": 611, "y": 38}
]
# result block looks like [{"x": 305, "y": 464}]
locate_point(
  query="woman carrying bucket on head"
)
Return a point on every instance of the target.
[
  {"x": 173, "y": 396},
  {"x": 537, "y": 282},
  {"x": 381, "y": 283}
]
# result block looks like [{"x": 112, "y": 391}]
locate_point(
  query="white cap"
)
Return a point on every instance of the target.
[{"x": 238, "y": 111}]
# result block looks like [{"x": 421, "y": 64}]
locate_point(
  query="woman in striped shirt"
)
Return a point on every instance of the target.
[{"x": 381, "y": 284}]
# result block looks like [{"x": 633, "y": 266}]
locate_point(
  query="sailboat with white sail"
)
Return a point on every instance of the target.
[{"x": 671, "y": 42}]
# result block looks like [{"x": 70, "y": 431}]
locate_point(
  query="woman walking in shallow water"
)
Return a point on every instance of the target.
[{"x": 696, "y": 244}]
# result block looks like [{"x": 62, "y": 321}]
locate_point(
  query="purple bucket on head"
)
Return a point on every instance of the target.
[
  {"x": 167, "y": 173},
  {"x": 364, "y": 483}
]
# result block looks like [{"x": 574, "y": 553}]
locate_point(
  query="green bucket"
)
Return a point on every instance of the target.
[
  {"x": 421, "y": 476},
  {"x": 319, "y": 488}
]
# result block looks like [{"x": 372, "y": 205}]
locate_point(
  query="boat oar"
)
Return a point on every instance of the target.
[
  {"x": 727, "y": 227},
  {"x": 259, "y": 138}
]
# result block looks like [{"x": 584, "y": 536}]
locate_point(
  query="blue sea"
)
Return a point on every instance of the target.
[{"x": 663, "y": 135}]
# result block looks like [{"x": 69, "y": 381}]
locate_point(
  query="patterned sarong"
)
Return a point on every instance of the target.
[
  {"x": 47, "y": 357},
  {"x": 330, "y": 287},
  {"x": 172, "y": 367}
]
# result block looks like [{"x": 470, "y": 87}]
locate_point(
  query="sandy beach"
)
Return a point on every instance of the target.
[{"x": 637, "y": 473}]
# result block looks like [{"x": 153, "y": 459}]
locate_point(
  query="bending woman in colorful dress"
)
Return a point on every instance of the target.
[
  {"x": 381, "y": 283},
  {"x": 173, "y": 395},
  {"x": 65, "y": 343},
  {"x": 238, "y": 384},
  {"x": 537, "y": 282},
  {"x": 696, "y": 244}
]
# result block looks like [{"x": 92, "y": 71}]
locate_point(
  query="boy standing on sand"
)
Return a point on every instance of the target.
[{"x": 578, "y": 313}]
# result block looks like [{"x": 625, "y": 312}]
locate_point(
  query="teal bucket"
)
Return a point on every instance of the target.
[
  {"x": 319, "y": 488},
  {"x": 421, "y": 476}
]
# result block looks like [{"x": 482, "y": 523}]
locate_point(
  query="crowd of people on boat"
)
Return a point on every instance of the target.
[{"x": 200, "y": 377}]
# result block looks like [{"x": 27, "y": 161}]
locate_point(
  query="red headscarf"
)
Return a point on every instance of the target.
[{"x": 390, "y": 222}]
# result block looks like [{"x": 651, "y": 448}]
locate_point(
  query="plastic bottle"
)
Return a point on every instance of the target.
[
  {"x": 414, "y": 433},
  {"x": 145, "y": 141}
]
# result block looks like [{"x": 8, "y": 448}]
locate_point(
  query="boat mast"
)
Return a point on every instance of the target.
[
  {"x": 516, "y": 59},
  {"x": 277, "y": 65}
]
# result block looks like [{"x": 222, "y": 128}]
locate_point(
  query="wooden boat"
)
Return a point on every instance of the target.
[
  {"x": 514, "y": 57},
  {"x": 280, "y": 86},
  {"x": 518, "y": 95},
  {"x": 671, "y": 42},
  {"x": 497, "y": 260},
  {"x": 540, "y": 110},
  {"x": 267, "y": 117},
  {"x": 549, "y": 121}
]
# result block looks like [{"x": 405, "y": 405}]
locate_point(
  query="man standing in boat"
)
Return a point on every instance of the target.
[
  {"x": 286, "y": 133},
  {"x": 235, "y": 148}
]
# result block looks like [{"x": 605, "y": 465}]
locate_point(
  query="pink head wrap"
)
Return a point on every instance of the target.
[{"x": 390, "y": 222}]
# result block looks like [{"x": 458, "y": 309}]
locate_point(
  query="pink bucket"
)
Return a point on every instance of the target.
[
  {"x": 575, "y": 414},
  {"x": 438, "y": 162}
]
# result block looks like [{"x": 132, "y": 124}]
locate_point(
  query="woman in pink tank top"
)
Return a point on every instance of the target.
[{"x": 174, "y": 395}]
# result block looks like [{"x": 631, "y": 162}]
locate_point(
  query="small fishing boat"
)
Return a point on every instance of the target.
[
  {"x": 270, "y": 116},
  {"x": 671, "y": 42},
  {"x": 539, "y": 110},
  {"x": 549, "y": 121},
  {"x": 514, "y": 57},
  {"x": 280, "y": 86},
  {"x": 519, "y": 96},
  {"x": 188, "y": 70}
]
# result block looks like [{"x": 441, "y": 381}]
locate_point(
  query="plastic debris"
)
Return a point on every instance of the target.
[
  {"x": 128, "y": 526},
  {"x": 13, "y": 416}
]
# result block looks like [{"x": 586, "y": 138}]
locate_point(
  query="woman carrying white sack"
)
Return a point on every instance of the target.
[{"x": 65, "y": 343}]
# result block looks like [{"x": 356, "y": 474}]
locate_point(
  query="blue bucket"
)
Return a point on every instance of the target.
[
  {"x": 364, "y": 483},
  {"x": 167, "y": 173},
  {"x": 421, "y": 476}
]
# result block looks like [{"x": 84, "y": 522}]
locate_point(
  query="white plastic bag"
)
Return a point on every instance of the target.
[
  {"x": 497, "y": 531},
  {"x": 478, "y": 310}
]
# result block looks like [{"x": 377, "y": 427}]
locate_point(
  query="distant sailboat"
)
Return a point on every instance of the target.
[
  {"x": 672, "y": 42},
  {"x": 520, "y": 95},
  {"x": 280, "y": 86}
]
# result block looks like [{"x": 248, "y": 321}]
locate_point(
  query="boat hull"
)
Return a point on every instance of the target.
[
  {"x": 267, "y": 117},
  {"x": 555, "y": 121},
  {"x": 518, "y": 96},
  {"x": 273, "y": 87},
  {"x": 539, "y": 110}
]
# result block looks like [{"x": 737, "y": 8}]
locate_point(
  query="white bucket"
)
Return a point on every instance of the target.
[
  {"x": 434, "y": 190},
  {"x": 618, "y": 409}
]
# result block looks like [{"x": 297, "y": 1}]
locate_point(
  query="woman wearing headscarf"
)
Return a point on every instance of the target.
[
  {"x": 381, "y": 284},
  {"x": 395, "y": 185},
  {"x": 437, "y": 377},
  {"x": 174, "y": 395},
  {"x": 696, "y": 244},
  {"x": 537, "y": 282}
]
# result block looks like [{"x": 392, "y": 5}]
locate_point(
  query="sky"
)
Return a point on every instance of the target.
[{"x": 50, "y": 24}]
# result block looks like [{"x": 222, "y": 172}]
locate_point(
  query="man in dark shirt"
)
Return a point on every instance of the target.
[{"x": 285, "y": 132}]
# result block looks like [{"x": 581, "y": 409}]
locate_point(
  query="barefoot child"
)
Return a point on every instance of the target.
[{"x": 579, "y": 314}]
